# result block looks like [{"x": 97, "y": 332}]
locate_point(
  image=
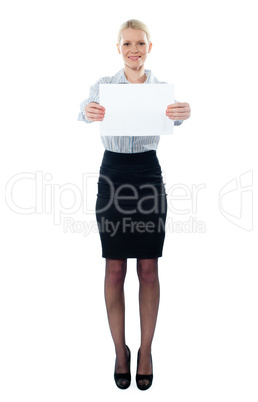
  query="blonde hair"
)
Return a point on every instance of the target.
[{"x": 135, "y": 24}]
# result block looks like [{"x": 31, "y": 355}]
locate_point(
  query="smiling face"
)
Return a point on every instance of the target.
[{"x": 134, "y": 47}]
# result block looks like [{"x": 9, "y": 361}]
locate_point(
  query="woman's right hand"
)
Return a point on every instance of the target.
[{"x": 94, "y": 112}]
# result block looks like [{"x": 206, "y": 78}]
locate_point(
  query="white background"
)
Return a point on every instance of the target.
[{"x": 55, "y": 340}]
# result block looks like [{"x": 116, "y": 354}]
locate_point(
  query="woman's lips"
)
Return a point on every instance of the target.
[{"x": 134, "y": 57}]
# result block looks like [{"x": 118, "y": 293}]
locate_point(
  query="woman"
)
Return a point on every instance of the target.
[{"x": 131, "y": 208}]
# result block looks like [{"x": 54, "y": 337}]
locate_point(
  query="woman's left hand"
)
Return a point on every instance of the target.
[{"x": 178, "y": 111}]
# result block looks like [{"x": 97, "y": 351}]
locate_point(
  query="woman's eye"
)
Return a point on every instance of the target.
[
  {"x": 125, "y": 44},
  {"x": 142, "y": 43}
]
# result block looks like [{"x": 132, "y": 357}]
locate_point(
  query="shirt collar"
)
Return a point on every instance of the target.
[{"x": 120, "y": 77}]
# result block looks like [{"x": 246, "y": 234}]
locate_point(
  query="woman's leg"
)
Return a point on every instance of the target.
[
  {"x": 149, "y": 294},
  {"x": 115, "y": 303}
]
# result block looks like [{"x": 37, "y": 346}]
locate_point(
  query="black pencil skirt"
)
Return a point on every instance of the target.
[{"x": 131, "y": 205}]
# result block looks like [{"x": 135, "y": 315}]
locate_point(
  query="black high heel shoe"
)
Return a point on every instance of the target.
[
  {"x": 143, "y": 381},
  {"x": 123, "y": 381}
]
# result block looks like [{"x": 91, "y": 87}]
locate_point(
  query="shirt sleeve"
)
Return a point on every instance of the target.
[{"x": 93, "y": 97}]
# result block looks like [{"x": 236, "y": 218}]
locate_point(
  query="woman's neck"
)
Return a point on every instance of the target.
[{"x": 135, "y": 76}]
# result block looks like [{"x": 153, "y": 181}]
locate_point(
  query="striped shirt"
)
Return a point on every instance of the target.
[{"x": 123, "y": 144}]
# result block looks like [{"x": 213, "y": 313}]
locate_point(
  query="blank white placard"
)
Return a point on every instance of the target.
[{"x": 136, "y": 109}]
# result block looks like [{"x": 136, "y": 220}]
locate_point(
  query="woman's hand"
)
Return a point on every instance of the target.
[
  {"x": 178, "y": 111},
  {"x": 94, "y": 112}
]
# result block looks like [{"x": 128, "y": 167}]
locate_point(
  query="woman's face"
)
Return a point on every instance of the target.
[{"x": 134, "y": 47}]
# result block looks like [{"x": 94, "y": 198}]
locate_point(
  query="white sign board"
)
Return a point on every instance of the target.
[{"x": 136, "y": 109}]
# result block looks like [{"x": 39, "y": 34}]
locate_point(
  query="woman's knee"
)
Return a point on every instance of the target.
[
  {"x": 147, "y": 270},
  {"x": 115, "y": 271}
]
